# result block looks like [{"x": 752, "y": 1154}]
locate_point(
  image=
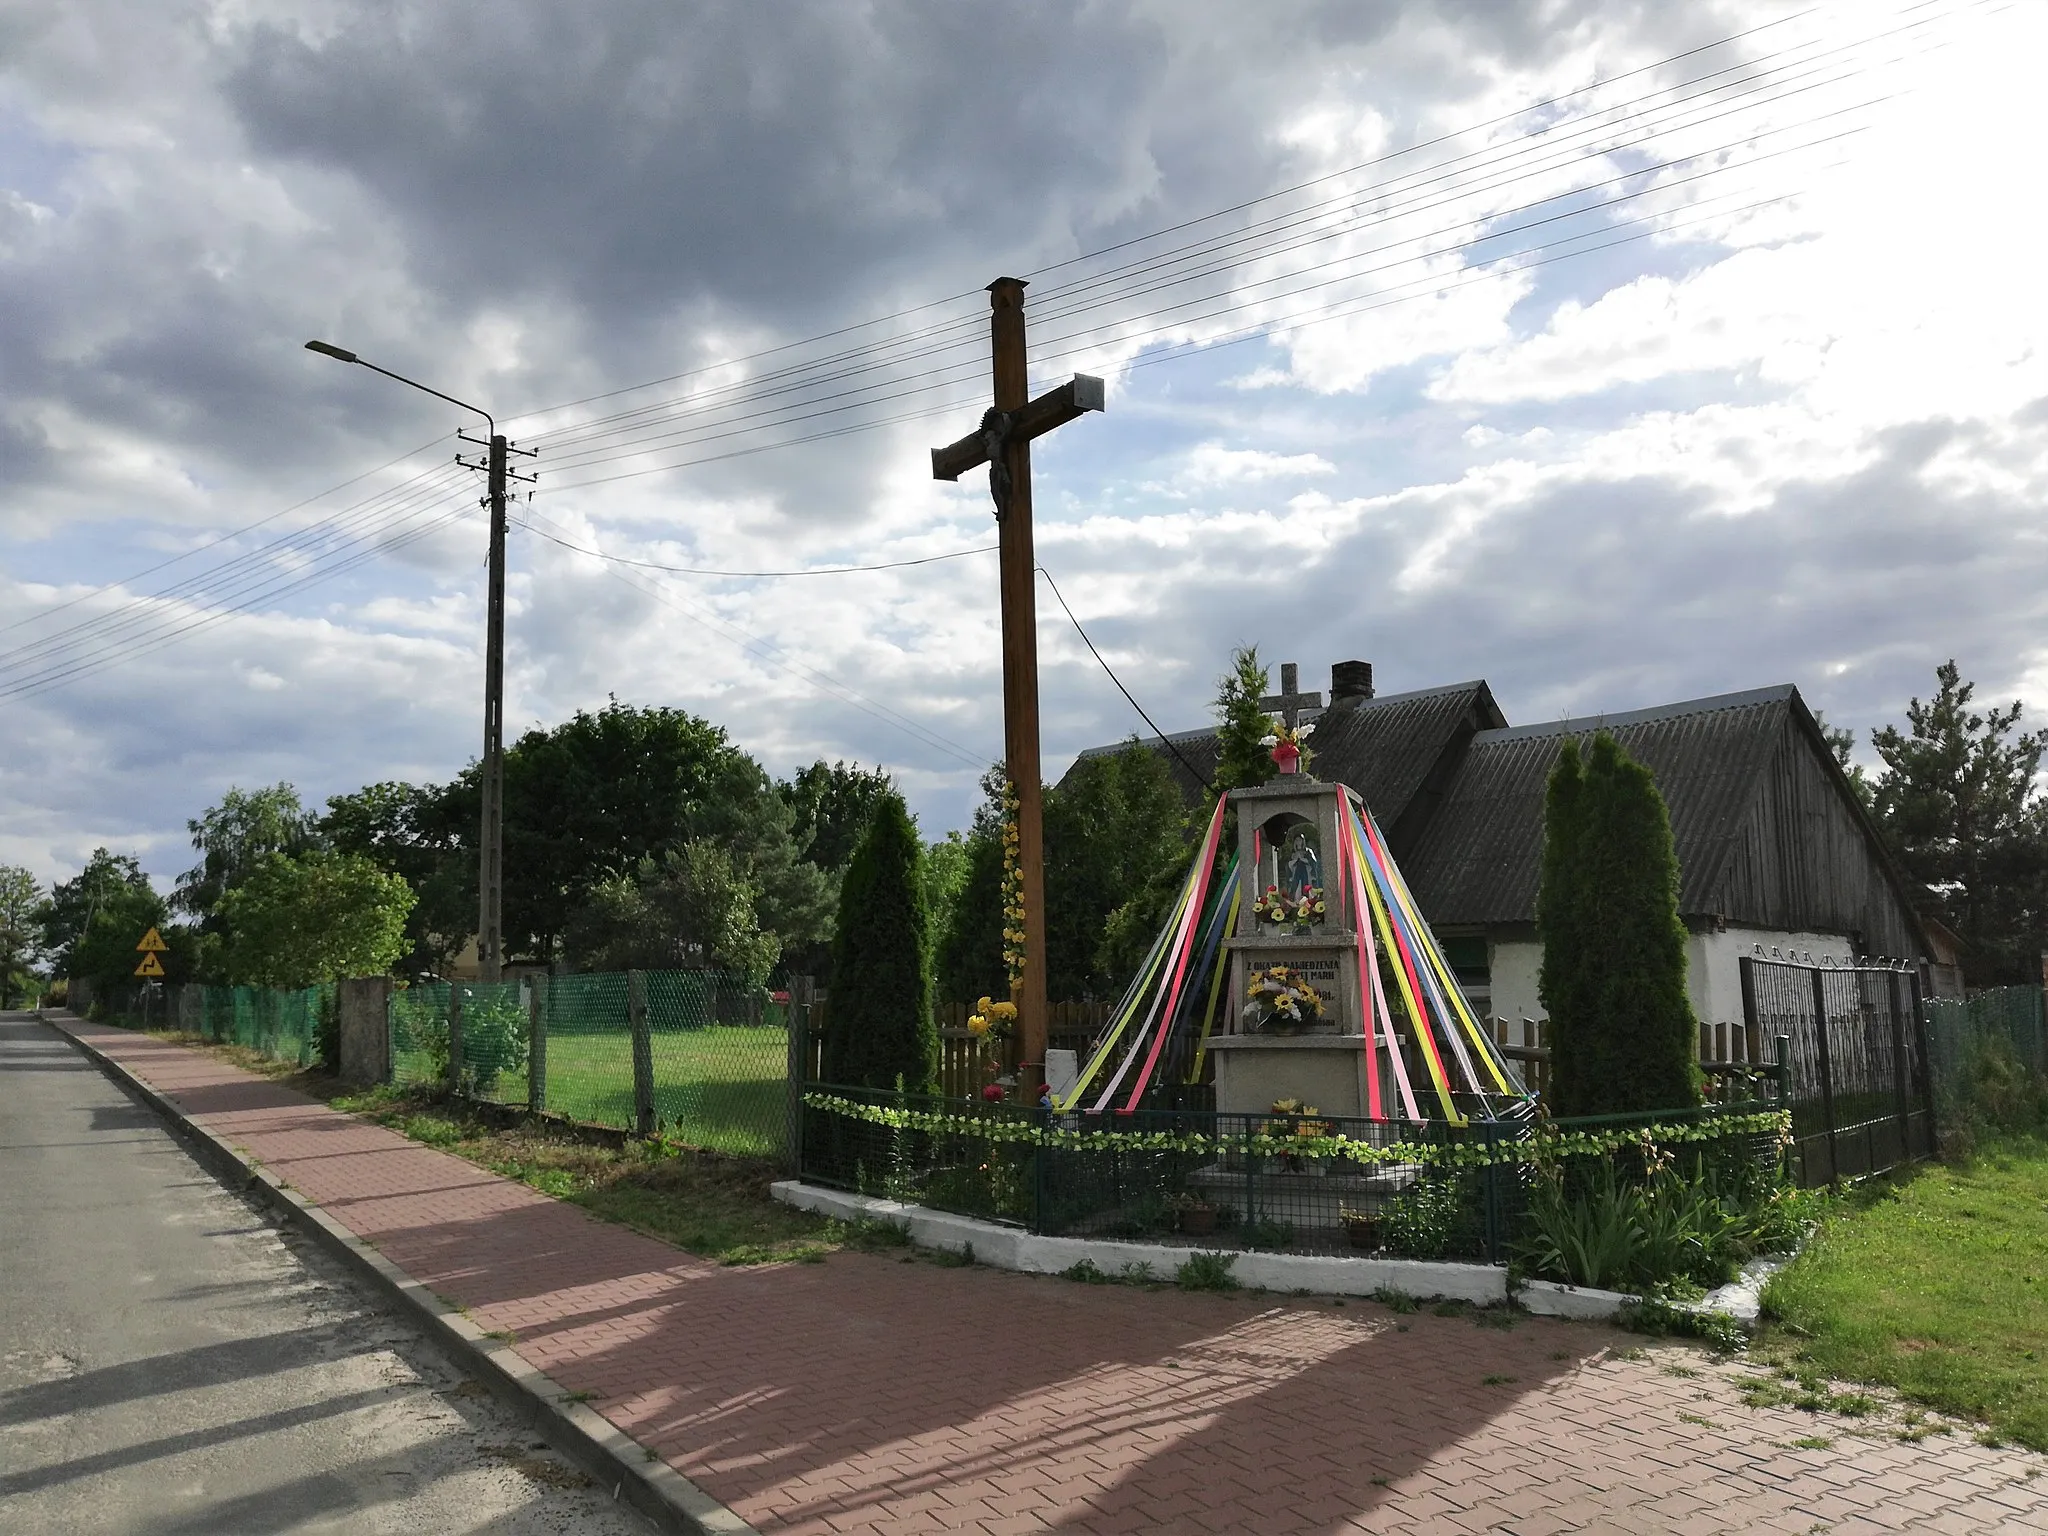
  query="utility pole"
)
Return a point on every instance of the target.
[
  {"x": 490, "y": 874},
  {"x": 1003, "y": 442},
  {"x": 490, "y": 883},
  {"x": 490, "y": 940}
]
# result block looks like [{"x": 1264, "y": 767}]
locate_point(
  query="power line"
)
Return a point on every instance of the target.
[
  {"x": 1166, "y": 741},
  {"x": 774, "y": 656},
  {"x": 814, "y": 570},
  {"x": 806, "y": 375}
]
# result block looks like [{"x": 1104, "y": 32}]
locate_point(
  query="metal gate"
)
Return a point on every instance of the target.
[{"x": 1858, "y": 1082}]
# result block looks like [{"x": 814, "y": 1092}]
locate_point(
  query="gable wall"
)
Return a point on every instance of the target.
[{"x": 1801, "y": 861}]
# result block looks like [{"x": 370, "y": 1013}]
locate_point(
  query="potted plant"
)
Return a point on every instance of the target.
[
  {"x": 1361, "y": 1228},
  {"x": 1192, "y": 1214}
]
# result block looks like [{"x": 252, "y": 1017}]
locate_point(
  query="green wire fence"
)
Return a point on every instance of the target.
[{"x": 697, "y": 1055}]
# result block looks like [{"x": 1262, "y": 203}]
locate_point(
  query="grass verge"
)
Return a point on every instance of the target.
[
  {"x": 1936, "y": 1285},
  {"x": 706, "y": 1203}
]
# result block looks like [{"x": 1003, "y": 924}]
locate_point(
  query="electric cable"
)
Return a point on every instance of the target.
[{"x": 1166, "y": 741}]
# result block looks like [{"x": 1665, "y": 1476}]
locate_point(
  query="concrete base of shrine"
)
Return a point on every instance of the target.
[{"x": 1253, "y": 1072}]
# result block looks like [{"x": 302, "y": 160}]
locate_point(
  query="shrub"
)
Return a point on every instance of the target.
[
  {"x": 879, "y": 1031},
  {"x": 1613, "y": 977},
  {"x": 494, "y": 1040},
  {"x": 1422, "y": 1221}
]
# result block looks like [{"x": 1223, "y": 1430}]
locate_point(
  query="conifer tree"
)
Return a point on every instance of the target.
[
  {"x": 1242, "y": 757},
  {"x": 878, "y": 1025},
  {"x": 1622, "y": 1030}
]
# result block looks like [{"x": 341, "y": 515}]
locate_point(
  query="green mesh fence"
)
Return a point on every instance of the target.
[
  {"x": 590, "y": 1049},
  {"x": 721, "y": 1060},
  {"x": 284, "y": 1025},
  {"x": 1989, "y": 1052},
  {"x": 718, "y": 1051},
  {"x": 419, "y": 1033}
]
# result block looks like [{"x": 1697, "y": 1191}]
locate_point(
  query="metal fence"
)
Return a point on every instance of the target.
[
  {"x": 1279, "y": 1182},
  {"x": 1977, "y": 1044},
  {"x": 1858, "y": 1080},
  {"x": 693, "y": 1054},
  {"x": 1738, "y": 1060},
  {"x": 284, "y": 1024}
]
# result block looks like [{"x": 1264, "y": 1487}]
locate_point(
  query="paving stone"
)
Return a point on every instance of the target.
[{"x": 864, "y": 1394}]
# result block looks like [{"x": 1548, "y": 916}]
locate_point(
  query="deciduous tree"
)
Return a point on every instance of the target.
[{"x": 292, "y": 922}]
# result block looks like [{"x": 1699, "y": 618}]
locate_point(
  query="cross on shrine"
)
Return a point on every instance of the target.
[
  {"x": 1290, "y": 701},
  {"x": 1003, "y": 442}
]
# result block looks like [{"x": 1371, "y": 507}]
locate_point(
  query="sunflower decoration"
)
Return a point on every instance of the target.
[{"x": 1279, "y": 999}]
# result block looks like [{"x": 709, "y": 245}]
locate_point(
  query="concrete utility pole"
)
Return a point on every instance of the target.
[
  {"x": 490, "y": 883},
  {"x": 1003, "y": 442}
]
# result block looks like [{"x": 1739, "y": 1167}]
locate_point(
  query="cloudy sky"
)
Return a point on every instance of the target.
[{"x": 1615, "y": 352}]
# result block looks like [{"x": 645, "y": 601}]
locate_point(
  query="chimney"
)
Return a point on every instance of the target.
[{"x": 1350, "y": 684}]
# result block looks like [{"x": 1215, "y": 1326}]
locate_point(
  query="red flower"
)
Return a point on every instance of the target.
[{"x": 993, "y": 1092}]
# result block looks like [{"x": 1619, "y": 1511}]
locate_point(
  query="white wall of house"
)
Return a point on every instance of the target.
[{"x": 1713, "y": 973}]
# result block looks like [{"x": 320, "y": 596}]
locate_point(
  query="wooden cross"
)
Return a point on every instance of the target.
[
  {"x": 1003, "y": 442},
  {"x": 1290, "y": 701}
]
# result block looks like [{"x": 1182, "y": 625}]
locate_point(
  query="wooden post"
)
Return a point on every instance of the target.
[
  {"x": 1020, "y": 681},
  {"x": 643, "y": 1052},
  {"x": 800, "y": 991},
  {"x": 1006, "y": 431},
  {"x": 455, "y": 1036},
  {"x": 537, "y": 1045}
]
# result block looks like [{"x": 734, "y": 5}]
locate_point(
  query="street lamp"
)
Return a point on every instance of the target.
[{"x": 490, "y": 944}]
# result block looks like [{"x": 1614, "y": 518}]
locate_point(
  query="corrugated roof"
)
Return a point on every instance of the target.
[
  {"x": 1382, "y": 747},
  {"x": 1479, "y": 859}
]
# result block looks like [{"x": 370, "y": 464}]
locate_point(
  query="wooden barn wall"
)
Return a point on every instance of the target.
[{"x": 1801, "y": 861}]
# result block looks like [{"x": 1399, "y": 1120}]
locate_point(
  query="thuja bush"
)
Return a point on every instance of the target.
[
  {"x": 1622, "y": 1030},
  {"x": 879, "y": 1031}
]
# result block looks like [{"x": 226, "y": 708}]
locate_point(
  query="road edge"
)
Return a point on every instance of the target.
[{"x": 597, "y": 1445}]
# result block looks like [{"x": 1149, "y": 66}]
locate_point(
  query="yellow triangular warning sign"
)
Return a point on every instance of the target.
[
  {"x": 152, "y": 943},
  {"x": 151, "y": 966}
]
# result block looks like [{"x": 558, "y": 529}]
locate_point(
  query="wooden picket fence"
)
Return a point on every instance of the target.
[
  {"x": 1731, "y": 1055},
  {"x": 964, "y": 1058}
]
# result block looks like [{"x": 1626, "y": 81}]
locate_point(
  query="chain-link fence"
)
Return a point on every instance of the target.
[
  {"x": 287, "y": 1025},
  {"x": 1990, "y": 1058},
  {"x": 695, "y": 1054}
]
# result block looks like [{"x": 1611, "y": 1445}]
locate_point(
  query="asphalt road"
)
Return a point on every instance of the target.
[{"x": 171, "y": 1362}]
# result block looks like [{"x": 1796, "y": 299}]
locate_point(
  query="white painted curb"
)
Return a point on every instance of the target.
[
  {"x": 1011, "y": 1248},
  {"x": 1548, "y": 1298}
]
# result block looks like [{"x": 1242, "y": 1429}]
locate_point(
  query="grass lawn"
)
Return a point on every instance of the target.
[
  {"x": 719, "y": 1086},
  {"x": 1936, "y": 1285}
]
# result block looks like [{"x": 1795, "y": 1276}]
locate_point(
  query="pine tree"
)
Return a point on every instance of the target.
[
  {"x": 1613, "y": 982},
  {"x": 879, "y": 1027},
  {"x": 1957, "y": 799}
]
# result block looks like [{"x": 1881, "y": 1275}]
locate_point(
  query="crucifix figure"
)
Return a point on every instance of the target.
[
  {"x": 1003, "y": 442},
  {"x": 1290, "y": 701}
]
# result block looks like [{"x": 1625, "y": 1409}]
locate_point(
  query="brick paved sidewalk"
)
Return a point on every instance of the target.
[{"x": 869, "y": 1393}]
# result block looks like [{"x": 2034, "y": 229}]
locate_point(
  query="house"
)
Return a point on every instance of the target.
[{"x": 1777, "y": 855}]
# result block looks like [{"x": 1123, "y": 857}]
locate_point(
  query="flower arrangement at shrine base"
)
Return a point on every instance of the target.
[{"x": 1279, "y": 1001}]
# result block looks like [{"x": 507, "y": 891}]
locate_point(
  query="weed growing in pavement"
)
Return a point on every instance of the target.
[
  {"x": 1393, "y": 1300},
  {"x": 1207, "y": 1272}
]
